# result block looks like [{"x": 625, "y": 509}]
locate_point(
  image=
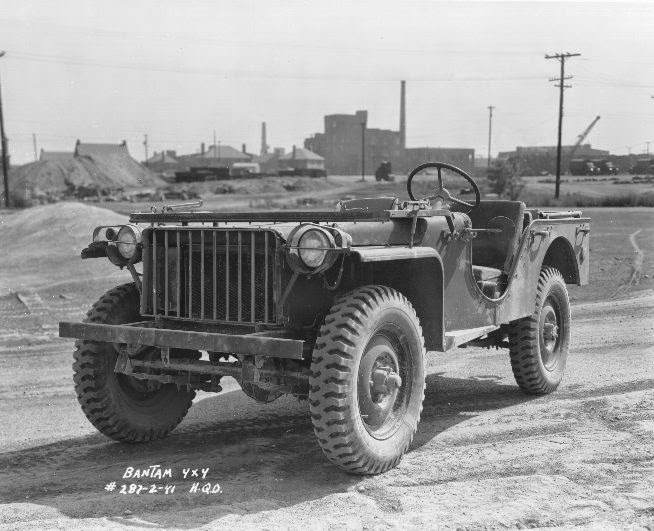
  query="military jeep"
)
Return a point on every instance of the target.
[{"x": 335, "y": 307}]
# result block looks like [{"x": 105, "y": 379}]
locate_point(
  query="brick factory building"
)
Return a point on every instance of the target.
[{"x": 340, "y": 145}]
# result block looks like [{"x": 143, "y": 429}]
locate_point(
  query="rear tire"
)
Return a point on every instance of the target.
[
  {"x": 120, "y": 406},
  {"x": 538, "y": 344},
  {"x": 367, "y": 380}
]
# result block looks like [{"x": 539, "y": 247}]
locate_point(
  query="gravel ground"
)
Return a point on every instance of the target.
[{"x": 485, "y": 454}]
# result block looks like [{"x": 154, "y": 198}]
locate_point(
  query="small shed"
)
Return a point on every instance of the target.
[
  {"x": 302, "y": 159},
  {"x": 218, "y": 156},
  {"x": 163, "y": 161}
]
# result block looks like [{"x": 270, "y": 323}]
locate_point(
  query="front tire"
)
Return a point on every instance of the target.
[
  {"x": 367, "y": 380},
  {"x": 538, "y": 344},
  {"x": 120, "y": 406}
]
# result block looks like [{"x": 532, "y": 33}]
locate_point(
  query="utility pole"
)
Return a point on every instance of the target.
[
  {"x": 145, "y": 146},
  {"x": 363, "y": 151},
  {"x": 490, "y": 128},
  {"x": 561, "y": 58},
  {"x": 36, "y": 157},
  {"x": 214, "y": 146},
  {"x": 3, "y": 144}
]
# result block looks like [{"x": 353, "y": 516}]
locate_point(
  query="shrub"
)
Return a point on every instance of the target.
[{"x": 504, "y": 179}]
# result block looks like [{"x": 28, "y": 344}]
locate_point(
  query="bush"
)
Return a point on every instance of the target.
[{"x": 504, "y": 179}]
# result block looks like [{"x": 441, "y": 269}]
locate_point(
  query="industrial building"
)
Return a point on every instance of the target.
[
  {"x": 345, "y": 134},
  {"x": 340, "y": 144},
  {"x": 535, "y": 160}
]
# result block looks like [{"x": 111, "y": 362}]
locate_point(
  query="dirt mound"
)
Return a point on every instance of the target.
[
  {"x": 75, "y": 176},
  {"x": 49, "y": 230},
  {"x": 41, "y": 245}
]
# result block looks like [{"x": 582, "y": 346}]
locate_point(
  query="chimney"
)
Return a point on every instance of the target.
[
  {"x": 293, "y": 151},
  {"x": 264, "y": 140},
  {"x": 202, "y": 148},
  {"x": 403, "y": 114},
  {"x": 244, "y": 149}
]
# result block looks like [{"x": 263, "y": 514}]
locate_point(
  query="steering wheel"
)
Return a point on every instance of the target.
[{"x": 441, "y": 192}]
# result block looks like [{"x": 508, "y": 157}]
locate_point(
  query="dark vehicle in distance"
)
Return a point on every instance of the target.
[
  {"x": 583, "y": 167},
  {"x": 384, "y": 172},
  {"x": 605, "y": 167},
  {"x": 335, "y": 307},
  {"x": 643, "y": 167}
]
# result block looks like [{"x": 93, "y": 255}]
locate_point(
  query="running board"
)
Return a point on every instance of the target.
[{"x": 456, "y": 338}]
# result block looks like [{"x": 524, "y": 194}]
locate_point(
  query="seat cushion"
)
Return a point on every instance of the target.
[{"x": 482, "y": 273}]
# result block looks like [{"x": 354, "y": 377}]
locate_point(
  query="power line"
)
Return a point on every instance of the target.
[
  {"x": 561, "y": 57},
  {"x": 247, "y": 74},
  {"x": 95, "y": 32}
]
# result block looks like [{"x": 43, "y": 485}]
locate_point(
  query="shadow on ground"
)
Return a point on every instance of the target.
[{"x": 263, "y": 457}]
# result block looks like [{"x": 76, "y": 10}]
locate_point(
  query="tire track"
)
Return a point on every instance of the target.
[{"x": 636, "y": 267}]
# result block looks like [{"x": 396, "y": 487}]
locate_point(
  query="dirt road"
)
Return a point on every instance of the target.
[{"x": 485, "y": 454}]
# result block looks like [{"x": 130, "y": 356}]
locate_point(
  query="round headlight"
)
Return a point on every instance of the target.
[
  {"x": 128, "y": 242},
  {"x": 313, "y": 247}
]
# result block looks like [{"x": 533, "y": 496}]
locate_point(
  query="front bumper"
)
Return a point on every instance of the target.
[{"x": 255, "y": 344}]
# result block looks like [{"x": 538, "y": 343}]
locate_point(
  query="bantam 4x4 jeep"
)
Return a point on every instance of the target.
[{"x": 337, "y": 307}]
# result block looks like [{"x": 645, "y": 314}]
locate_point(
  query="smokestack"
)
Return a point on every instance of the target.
[
  {"x": 293, "y": 151},
  {"x": 244, "y": 148},
  {"x": 202, "y": 148},
  {"x": 264, "y": 140},
  {"x": 403, "y": 114}
]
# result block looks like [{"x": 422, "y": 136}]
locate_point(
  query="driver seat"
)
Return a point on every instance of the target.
[
  {"x": 496, "y": 250},
  {"x": 493, "y": 253}
]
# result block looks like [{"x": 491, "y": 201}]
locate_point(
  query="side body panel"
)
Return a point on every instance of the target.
[
  {"x": 456, "y": 301},
  {"x": 561, "y": 243}
]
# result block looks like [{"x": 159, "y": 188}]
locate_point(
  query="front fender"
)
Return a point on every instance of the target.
[{"x": 417, "y": 273}]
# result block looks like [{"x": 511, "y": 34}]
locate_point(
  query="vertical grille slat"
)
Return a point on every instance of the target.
[
  {"x": 253, "y": 262},
  {"x": 265, "y": 276},
  {"x": 227, "y": 255},
  {"x": 166, "y": 282},
  {"x": 223, "y": 276},
  {"x": 214, "y": 299},
  {"x": 154, "y": 270},
  {"x": 190, "y": 274},
  {"x": 239, "y": 307},
  {"x": 178, "y": 284},
  {"x": 202, "y": 281}
]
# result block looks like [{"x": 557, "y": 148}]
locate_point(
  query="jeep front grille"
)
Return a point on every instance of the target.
[{"x": 222, "y": 275}]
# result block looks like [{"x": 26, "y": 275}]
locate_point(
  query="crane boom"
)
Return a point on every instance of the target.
[{"x": 582, "y": 137}]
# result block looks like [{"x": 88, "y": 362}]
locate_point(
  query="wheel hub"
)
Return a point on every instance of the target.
[
  {"x": 549, "y": 335},
  {"x": 383, "y": 382},
  {"x": 380, "y": 386}
]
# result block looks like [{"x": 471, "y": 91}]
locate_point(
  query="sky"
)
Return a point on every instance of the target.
[{"x": 177, "y": 71}]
